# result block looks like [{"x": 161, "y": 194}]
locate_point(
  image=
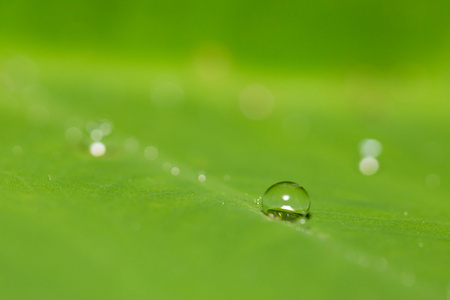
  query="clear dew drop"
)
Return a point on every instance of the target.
[
  {"x": 96, "y": 135},
  {"x": 369, "y": 166},
  {"x": 97, "y": 149},
  {"x": 175, "y": 171},
  {"x": 105, "y": 127},
  {"x": 286, "y": 201},
  {"x": 370, "y": 148},
  {"x": 151, "y": 153},
  {"x": 201, "y": 177}
]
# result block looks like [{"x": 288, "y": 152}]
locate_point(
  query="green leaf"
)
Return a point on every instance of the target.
[{"x": 121, "y": 226}]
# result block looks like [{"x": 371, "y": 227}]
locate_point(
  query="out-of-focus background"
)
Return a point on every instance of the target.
[
  {"x": 137, "y": 137},
  {"x": 322, "y": 35}
]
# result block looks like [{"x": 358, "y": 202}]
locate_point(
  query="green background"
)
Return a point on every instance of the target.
[{"x": 120, "y": 226}]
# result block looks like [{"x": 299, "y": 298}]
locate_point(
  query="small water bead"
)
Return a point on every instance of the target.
[
  {"x": 368, "y": 166},
  {"x": 96, "y": 135},
  {"x": 286, "y": 200},
  {"x": 175, "y": 171},
  {"x": 97, "y": 149},
  {"x": 201, "y": 178},
  {"x": 105, "y": 127},
  {"x": 151, "y": 153},
  {"x": 370, "y": 148}
]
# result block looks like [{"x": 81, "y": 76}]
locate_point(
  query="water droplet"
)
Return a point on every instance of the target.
[
  {"x": 96, "y": 135},
  {"x": 405, "y": 213},
  {"x": 368, "y": 166},
  {"x": 420, "y": 245},
  {"x": 258, "y": 203},
  {"x": 97, "y": 149},
  {"x": 286, "y": 200},
  {"x": 175, "y": 171},
  {"x": 151, "y": 153},
  {"x": 106, "y": 127},
  {"x": 201, "y": 178},
  {"x": 370, "y": 147}
]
